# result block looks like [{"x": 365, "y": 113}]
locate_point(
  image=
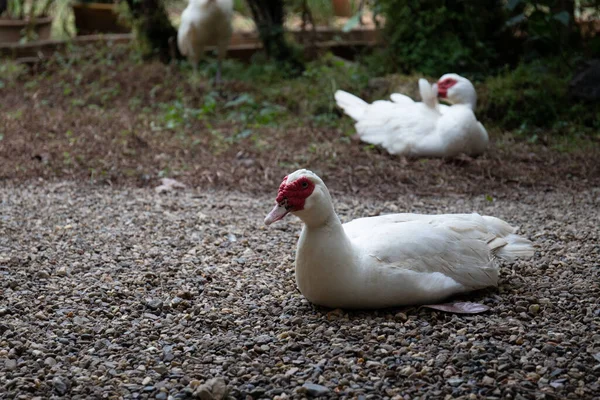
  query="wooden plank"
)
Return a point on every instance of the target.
[
  {"x": 45, "y": 48},
  {"x": 243, "y": 45}
]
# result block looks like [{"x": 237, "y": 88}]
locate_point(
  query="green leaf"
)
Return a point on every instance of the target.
[
  {"x": 517, "y": 19},
  {"x": 244, "y": 134},
  {"x": 562, "y": 17},
  {"x": 533, "y": 139},
  {"x": 241, "y": 99},
  {"x": 489, "y": 198},
  {"x": 352, "y": 23},
  {"x": 511, "y": 4},
  {"x": 1, "y": 136}
]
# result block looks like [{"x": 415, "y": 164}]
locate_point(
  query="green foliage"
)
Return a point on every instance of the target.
[
  {"x": 437, "y": 36},
  {"x": 98, "y": 1},
  {"x": 310, "y": 94},
  {"x": 23, "y": 9},
  {"x": 10, "y": 71},
  {"x": 534, "y": 95},
  {"x": 264, "y": 97},
  {"x": 547, "y": 26},
  {"x": 320, "y": 10}
]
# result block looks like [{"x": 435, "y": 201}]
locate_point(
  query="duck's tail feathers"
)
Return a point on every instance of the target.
[
  {"x": 352, "y": 105},
  {"x": 507, "y": 244},
  {"x": 517, "y": 247}
]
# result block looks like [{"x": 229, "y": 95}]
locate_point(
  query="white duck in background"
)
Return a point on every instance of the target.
[
  {"x": 428, "y": 129},
  {"x": 205, "y": 23},
  {"x": 390, "y": 260}
]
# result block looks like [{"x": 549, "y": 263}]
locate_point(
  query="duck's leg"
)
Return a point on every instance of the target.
[
  {"x": 218, "y": 75},
  {"x": 221, "y": 52},
  {"x": 460, "y": 307}
]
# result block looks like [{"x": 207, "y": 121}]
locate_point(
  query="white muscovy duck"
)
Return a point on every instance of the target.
[
  {"x": 427, "y": 129},
  {"x": 204, "y": 23},
  {"x": 390, "y": 260}
]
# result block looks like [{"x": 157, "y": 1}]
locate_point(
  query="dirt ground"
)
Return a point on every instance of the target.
[{"x": 99, "y": 116}]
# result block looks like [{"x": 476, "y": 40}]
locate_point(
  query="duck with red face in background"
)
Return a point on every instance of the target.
[{"x": 421, "y": 129}]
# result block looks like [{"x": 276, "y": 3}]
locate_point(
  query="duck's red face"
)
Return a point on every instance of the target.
[
  {"x": 444, "y": 85},
  {"x": 290, "y": 197}
]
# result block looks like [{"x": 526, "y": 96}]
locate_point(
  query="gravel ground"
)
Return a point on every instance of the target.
[{"x": 124, "y": 293}]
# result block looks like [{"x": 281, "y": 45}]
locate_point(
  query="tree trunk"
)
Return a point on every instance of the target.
[
  {"x": 569, "y": 34},
  {"x": 269, "y": 17},
  {"x": 154, "y": 28}
]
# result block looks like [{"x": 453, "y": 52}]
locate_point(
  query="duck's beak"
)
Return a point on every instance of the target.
[{"x": 277, "y": 213}]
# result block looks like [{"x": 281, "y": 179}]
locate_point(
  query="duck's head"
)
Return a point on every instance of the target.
[
  {"x": 456, "y": 89},
  {"x": 303, "y": 194}
]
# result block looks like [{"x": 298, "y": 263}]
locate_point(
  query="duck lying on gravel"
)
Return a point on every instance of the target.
[
  {"x": 390, "y": 260},
  {"x": 427, "y": 129}
]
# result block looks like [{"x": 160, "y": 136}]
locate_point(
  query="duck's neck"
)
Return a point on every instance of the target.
[
  {"x": 472, "y": 101},
  {"x": 322, "y": 224},
  {"x": 321, "y": 213},
  {"x": 469, "y": 99},
  {"x": 325, "y": 258}
]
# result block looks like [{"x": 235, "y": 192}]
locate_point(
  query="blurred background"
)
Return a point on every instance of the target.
[{"x": 97, "y": 89}]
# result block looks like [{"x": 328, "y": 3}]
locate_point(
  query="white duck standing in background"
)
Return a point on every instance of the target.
[
  {"x": 428, "y": 129},
  {"x": 390, "y": 260},
  {"x": 205, "y": 23}
]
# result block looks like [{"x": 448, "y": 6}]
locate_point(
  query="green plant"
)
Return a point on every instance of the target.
[
  {"x": 318, "y": 11},
  {"x": 547, "y": 26},
  {"x": 10, "y": 71},
  {"x": 438, "y": 36},
  {"x": 532, "y": 96},
  {"x": 98, "y": 1},
  {"x": 23, "y": 9}
]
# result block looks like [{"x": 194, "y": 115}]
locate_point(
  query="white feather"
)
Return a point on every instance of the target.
[{"x": 352, "y": 105}]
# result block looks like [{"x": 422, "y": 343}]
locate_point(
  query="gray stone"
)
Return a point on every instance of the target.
[
  {"x": 10, "y": 364},
  {"x": 60, "y": 385},
  {"x": 315, "y": 390}
]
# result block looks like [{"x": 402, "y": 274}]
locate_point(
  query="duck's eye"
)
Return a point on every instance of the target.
[{"x": 304, "y": 185}]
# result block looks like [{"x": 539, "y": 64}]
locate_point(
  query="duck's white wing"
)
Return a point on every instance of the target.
[
  {"x": 402, "y": 99},
  {"x": 428, "y": 96},
  {"x": 394, "y": 127},
  {"x": 460, "y": 246},
  {"x": 186, "y": 34},
  {"x": 478, "y": 139},
  {"x": 457, "y": 131}
]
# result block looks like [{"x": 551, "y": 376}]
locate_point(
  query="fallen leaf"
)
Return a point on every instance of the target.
[
  {"x": 460, "y": 307},
  {"x": 168, "y": 185}
]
